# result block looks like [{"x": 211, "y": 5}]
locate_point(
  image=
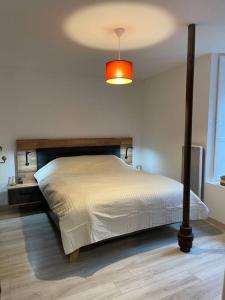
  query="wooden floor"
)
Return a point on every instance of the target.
[{"x": 144, "y": 266}]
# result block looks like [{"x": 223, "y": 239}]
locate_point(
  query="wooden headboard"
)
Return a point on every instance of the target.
[{"x": 34, "y": 145}]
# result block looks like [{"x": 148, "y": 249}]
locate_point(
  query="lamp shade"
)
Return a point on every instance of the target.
[{"x": 118, "y": 72}]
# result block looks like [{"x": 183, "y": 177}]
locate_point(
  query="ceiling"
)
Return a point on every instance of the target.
[{"x": 33, "y": 35}]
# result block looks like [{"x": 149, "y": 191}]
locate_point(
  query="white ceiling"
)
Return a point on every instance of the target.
[{"x": 32, "y": 36}]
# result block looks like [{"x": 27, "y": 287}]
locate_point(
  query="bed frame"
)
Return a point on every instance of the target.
[{"x": 31, "y": 148}]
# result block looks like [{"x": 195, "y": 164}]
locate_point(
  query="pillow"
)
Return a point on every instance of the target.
[{"x": 76, "y": 165}]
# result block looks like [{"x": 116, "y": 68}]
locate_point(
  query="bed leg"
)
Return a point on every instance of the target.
[{"x": 73, "y": 256}]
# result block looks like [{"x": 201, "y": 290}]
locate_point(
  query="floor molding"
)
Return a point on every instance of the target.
[{"x": 216, "y": 223}]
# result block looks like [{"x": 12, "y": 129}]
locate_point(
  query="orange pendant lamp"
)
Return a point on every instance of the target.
[{"x": 119, "y": 71}]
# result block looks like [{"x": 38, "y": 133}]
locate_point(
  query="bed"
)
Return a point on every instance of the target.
[
  {"x": 97, "y": 197},
  {"x": 93, "y": 193}
]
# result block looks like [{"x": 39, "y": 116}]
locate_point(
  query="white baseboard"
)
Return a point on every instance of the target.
[{"x": 216, "y": 223}]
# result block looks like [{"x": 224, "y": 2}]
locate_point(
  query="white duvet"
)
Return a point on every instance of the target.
[{"x": 99, "y": 197}]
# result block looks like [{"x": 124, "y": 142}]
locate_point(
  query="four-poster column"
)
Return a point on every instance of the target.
[{"x": 185, "y": 236}]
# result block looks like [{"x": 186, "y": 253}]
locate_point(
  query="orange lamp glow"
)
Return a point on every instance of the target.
[{"x": 118, "y": 72}]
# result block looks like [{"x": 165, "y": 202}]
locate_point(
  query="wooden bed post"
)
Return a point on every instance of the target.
[{"x": 185, "y": 236}]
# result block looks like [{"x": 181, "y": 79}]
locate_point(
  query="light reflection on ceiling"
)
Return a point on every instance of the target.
[{"x": 145, "y": 25}]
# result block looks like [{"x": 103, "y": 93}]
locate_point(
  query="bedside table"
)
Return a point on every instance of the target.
[{"x": 25, "y": 194}]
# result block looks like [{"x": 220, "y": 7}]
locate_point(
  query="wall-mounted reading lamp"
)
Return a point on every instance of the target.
[
  {"x": 126, "y": 153},
  {"x": 27, "y": 161},
  {"x": 3, "y": 158}
]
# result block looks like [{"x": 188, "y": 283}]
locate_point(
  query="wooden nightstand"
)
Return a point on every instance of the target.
[{"x": 25, "y": 194}]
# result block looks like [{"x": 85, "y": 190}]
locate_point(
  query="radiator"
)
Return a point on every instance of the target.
[{"x": 197, "y": 170}]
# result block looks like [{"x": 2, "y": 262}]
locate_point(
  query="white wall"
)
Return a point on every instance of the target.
[
  {"x": 214, "y": 199},
  {"x": 163, "y": 133},
  {"x": 214, "y": 193},
  {"x": 34, "y": 104}
]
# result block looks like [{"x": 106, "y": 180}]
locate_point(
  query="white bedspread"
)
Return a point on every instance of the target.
[{"x": 99, "y": 197}]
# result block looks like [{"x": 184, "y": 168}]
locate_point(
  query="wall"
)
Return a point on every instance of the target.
[
  {"x": 214, "y": 199},
  {"x": 163, "y": 134},
  {"x": 214, "y": 193},
  {"x": 34, "y": 104}
]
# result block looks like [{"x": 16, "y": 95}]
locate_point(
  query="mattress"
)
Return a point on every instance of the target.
[{"x": 100, "y": 197}]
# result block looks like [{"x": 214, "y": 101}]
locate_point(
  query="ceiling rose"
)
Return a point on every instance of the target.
[{"x": 145, "y": 25}]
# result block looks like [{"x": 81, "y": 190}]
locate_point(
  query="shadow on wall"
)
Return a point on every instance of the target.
[
  {"x": 152, "y": 160},
  {"x": 6, "y": 169},
  {"x": 3, "y": 195},
  {"x": 48, "y": 262}
]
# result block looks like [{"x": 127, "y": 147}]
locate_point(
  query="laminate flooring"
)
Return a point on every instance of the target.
[{"x": 144, "y": 266}]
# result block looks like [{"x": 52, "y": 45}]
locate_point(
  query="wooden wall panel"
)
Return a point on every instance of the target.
[
  {"x": 23, "y": 171},
  {"x": 33, "y": 144}
]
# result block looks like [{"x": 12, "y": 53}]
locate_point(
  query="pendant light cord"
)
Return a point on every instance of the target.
[
  {"x": 119, "y": 31},
  {"x": 119, "y": 48}
]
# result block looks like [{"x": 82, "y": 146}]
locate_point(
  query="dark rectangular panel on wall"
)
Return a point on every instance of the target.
[{"x": 44, "y": 156}]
